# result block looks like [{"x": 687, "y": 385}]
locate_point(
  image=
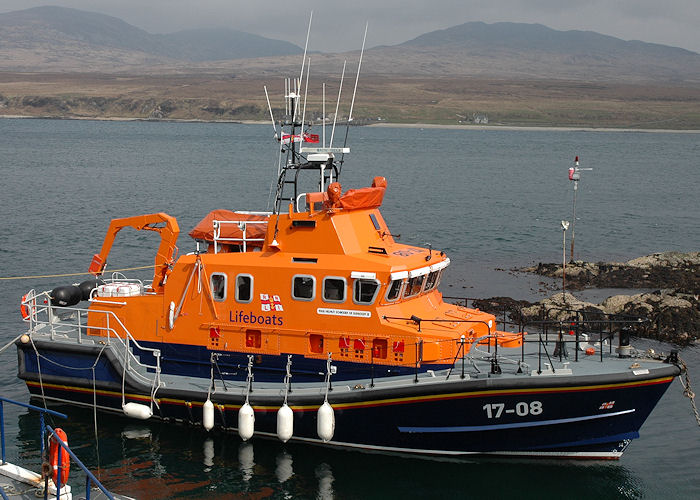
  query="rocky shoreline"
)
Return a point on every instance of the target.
[{"x": 671, "y": 311}]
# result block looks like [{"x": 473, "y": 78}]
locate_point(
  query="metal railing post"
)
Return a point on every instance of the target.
[
  {"x": 80, "y": 328},
  {"x": 42, "y": 426},
  {"x": 539, "y": 355},
  {"x": 2, "y": 432},
  {"x": 59, "y": 470}
]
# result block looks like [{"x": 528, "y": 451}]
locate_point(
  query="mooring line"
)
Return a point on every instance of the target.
[{"x": 70, "y": 274}]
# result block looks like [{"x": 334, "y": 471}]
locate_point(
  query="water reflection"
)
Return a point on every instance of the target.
[
  {"x": 284, "y": 470},
  {"x": 246, "y": 460},
  {"x": 208, "y": 451},
  {"x": 133, "y": 432},
  {"x": 324, "y": 474}
]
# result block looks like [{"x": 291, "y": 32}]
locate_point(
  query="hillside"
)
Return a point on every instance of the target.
[
  {"x": 62, "y": 39},
  {"x": 52, "y": 39},
  {"x": 68, "y": 63},
  {"x": 514, "y": 50}
]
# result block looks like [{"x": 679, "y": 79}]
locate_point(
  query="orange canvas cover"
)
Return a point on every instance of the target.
[
  {"x": 204, "y": 230},
  {"x": 369, "y": 197}
]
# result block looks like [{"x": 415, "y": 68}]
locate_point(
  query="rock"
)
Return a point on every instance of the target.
[
  {"x": 615, "y": 304},
  {"x": 664, "y": 315},
  {"x": 677, "y": 270}
]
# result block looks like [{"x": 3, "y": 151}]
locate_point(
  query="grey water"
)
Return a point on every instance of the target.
[{"x": 491, "y": 199}]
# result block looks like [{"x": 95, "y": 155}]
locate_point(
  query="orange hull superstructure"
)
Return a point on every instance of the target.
[{"x": 330, "y": 279}]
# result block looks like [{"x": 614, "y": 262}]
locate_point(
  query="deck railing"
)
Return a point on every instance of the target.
[
  {"x": 90, "y": 478},
  {"x": 242, "y": 225},
  {"x": 72, "y": 322}
]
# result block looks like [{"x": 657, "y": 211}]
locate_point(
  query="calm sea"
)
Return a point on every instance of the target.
[{"x": 489, "y": 198}]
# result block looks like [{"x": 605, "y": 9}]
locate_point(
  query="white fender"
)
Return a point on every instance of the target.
[
  {"x": 136, "y": 410},
  {"x": 171, "y": 316},
  {"x": 325, "y": 422},
  {"x": 208, "y": 415},
  {"x": 285, "y": 423},
  {"x": 246, "y": 422}
]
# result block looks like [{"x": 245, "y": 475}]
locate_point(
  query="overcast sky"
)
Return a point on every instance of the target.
[{"x": 338, "y": 25}]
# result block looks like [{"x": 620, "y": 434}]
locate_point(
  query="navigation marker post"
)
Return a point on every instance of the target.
[{"x": 575, "y": 175}]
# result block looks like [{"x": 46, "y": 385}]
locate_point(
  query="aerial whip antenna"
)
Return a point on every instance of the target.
[
  {"x": 340, "y": 89},
  {"x": 324, "y": 114},
  {"x": 354, "y": 92},
  {"x": 306, "y": 92},
  {"x": 269, "y": 107},
  {"x": 306, "y": 46},
  {"x": 357, "y": 77},
  {"x": 303, "y": 62}
]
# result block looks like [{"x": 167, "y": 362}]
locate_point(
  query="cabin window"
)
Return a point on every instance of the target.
[
  {"x": 303, "y": 287},
  {"x": 218, "y": 286},
  {"x": 365, "y": 291},
  {"x": 394, "y": 290},
  {"x": 244, "y": 288},
  {"x": 432, "y": 280},
  {"x": 414, "y": 286},
  {"x": 334, "y": 289}
]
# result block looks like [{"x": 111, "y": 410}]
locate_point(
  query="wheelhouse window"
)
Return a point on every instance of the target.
[
  {"x": 244, "y": 288},
  {"x": 414, "y": 285},
  {"x": 365, "y": 291},
  {"x": 432, "y": 280},
  {"x": 394, "y": 290},
  {"x": 334, "y": 289},
  {"x": 218, "y": 286},
  {"x": 303, "y": 287}
]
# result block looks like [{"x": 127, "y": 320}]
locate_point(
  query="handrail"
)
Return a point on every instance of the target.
[
  {"x": 91, "y": 479},
  {"x": 31, "y": 407},
  {"x": 112, "y": 332},
  {"x": 242, "y": 225}
]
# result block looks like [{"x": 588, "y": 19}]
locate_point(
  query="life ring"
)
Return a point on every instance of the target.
[
  {"x": 24, "y": 308},
  {"x": 54, "y": 448}
]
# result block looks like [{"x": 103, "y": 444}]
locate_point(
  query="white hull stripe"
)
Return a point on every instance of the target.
[{"x": 480, "y": 428}]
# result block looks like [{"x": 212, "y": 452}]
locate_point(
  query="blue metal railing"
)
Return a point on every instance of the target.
[{"x": 90, "y": 478}]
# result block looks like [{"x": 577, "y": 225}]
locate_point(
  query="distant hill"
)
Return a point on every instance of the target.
[
  {"x": 58, "y": 38},
  {"x": 49, "y": 39},
  {"x": 535, "y": 51}
]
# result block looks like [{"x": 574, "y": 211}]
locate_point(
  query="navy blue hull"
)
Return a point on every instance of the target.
[{"x": 554, "y": 416}]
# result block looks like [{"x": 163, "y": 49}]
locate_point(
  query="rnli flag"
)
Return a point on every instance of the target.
[{"x": 288, "y": 138}]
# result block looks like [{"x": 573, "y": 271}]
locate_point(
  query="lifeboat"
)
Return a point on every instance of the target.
[{"x": 313, "y": 323}]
